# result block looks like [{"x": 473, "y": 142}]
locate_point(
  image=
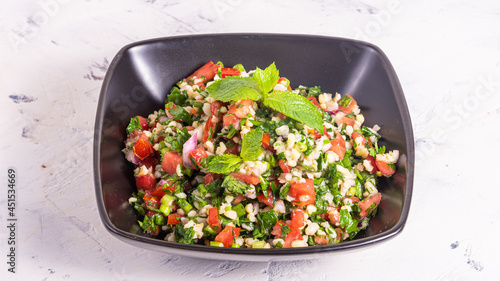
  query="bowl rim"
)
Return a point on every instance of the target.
[{"x": 234, "y": 252}]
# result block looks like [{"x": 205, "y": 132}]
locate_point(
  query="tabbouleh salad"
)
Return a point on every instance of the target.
[{"x": 239, "y": 159}]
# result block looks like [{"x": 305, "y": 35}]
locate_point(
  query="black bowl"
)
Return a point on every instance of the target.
[{"x": 142, "y": 74}]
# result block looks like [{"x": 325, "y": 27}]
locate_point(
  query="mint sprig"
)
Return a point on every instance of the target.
[
  {"x": 224, "y": 164},
  {"x": 296, "y": 107},
  {"x": 251, "y": 145},
  {"x": 267, "y": 78},
  {"x": 234, "y": 88}
]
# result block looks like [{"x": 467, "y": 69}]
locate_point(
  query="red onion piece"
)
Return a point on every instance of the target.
[{"x": 189, "y": 146}]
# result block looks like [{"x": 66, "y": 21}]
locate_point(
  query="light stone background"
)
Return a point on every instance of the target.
[{"x": 54, "y": 55}]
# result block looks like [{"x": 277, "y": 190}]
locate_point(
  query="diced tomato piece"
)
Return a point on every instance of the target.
[
  {"x": 148, "y": 162},
  {"x": 143, "y": 122},
  {"x": 277, "y": 228},
  {"x": 303, "y": 193},
  {"x": 374, "y": 164},
  {"x": 206, "y": 73},
  {"x": 208, "y": 179},
  {"x": 229, "y": 119},
  {"x": 298, "y": 220},
  {"x": 215, "y": 106},
  {"x": 142, "y": 147},
  {"x": 145, "y": 182},
  {"x": 246, "y": 178},
  {"x": 158, "y": 191},
  {"x": 266, "y": 142},
  {"x": 170, "y": 161},
  {"x": 227, "y": 71},
  {"x": 350, "y": 107},
  {"x": 384, "y": 168},
  {"x": 238, "y": 199},
  {"x": 338, "y": 146},
  {"x": 269, "y": 201},
  {"x": 235, "y": 149},
  {"x": 293, "y": 235},
  {"x": 152, "y": 202},
  {"x": 156, "y": 230},
  {"x": 284, "y": 166},
  {"x": 323, "y": 216},
  {"x": 334, "y": 215},
  {"x": 161, "y": 189},
  {"x": 314, "y": 101},
  {"x": 316, "y": 134},
  {"x": 213, "y": 217},
  {"x": 356, "y": 135},
  {"x": 241, "y": 108},
  {"x": 349, "y": 121},
  {"x": 174, "y": 218},
  {"x": 283, "y": 81},
  {"x": 368, "y": 202},
  {"x": 227, "y": 235},
  {"x": 209, "y": 129},
  {"x": 321, "y": 240},
  {"x": 198, "y": 154}
]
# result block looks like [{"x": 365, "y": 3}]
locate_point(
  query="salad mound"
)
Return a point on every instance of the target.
[{"x": 239, "y": 159}]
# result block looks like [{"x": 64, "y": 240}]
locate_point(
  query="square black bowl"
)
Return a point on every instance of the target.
[{"x": 142, "y": 74}]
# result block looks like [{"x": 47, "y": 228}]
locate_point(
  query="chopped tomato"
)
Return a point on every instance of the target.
[
  {"x": 229, "y": 119},
  {"x": 198, "y": 154},
  {"x": 338, "y": 146},
  {"x": 151, "y": 201},
  {"x": 143, "y": 122},
  {"x": 158, "y": 191},
  {"x": 161, "y": 190},
  {"x": 238, "y": 199},
  {"x": 235, "y": 149},
  {"x": 384, "y": 168},
  {"x": 227, "y": 235},
  {"x": 373, "y": 163},
  {"x": 227, "y": 71},
  {"x": 148, "y": 162},
  {"x": 205, "y": 73},
  {"x": 266, "y": 142},
  {"x": 213, "y": 217},
  {"x": 142, "y": 147},
  {"x": 145, "y": 182},
  {"x": 209, "y": 129},
  {"x": 246, "y": 178},
  {"x": 174, "y": 219},
  {"x": 303, "y": 193},
  {"x": 208, "y": 179},
  {"x": 277, "y": 228},
  {"x": 298, "y": 220},
  {"x": 321, "y": 240},
  {"x": 368, "y": 202},
  {"x": 293, "y": 235},
  {"x": 350, "y": 107},
  {"x": 170, "y": 161},
  {"x": 356, "y": 135},
  {"x": 215, "y": 106},
  {"x": 283, "y": 81},
  {"x": 269, "y": 201},
  {"x": 334, "y": 215},
  {"x": 153, "y": 230},
  {"x": 284, "y": 166},
  {"x": 241, "y": 108},
  {"x": 314, "y": 101},
  {"x": 349, "y": 121}
]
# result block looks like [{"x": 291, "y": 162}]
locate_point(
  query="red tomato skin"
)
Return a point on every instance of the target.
[
  {"x": 235, "y": 149},
  {"x": 209, "y": 129},
  {"x": 143, "y": 122},
  {"x": 213, "y": 217},
  {"x": 207, "y": 72},
  {"x": 238, "y": 199},
  {"x": 227, "y": 71},
  {"x": 315, "y": 102},
  {"x": 151, "y": 201},
  {"x": 293, "y": 235},
  {"x": 284, "y": 166},
  {"x": 241, "y": 108},
  {"x": 170, "y": 161},
  {"x": 149, "y": 162},
  {"x": 208, "y": 179},
  {"x": 374, "y": 164},
  {"x": 385, "y": 169},
  {"x": 266, "y": 142},
  {"x": 246, "y": 178},
  {"x": 350, "y": 107},
  {"x": 277, "y": 229},
  {"x": 227, "y": 235},
  {"x": 198, "y": 154},
  {"x": 215, "y": 106},
  {"x": 303, "y": 189},
  {"x": 229, "y": 119},
  {"x": 298, "y": 220},
  {"x": 174, "y": 219},
  {"x": 142, "y": 147},
  {"x": 269, "y": 201},
  {"x": 158, "y": 191},
  {"x": 145, "y": 182},
  {"x": 367, "y": 202},
  {"x": 338, "y": 146}
]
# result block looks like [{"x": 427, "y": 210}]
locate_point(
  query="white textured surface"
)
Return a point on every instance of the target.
[{"x": 54, "y": 56}]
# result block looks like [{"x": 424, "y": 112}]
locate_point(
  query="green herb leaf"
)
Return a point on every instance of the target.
[
  {"x": 234, "y": 88},
  {"x": 134, "y": 125},
  {"x": 251, "y": 145},
  {"x": 347, "y": 221},
  {"x": 224, "y": 164},
  {"x": 234, "y": 185},
  {"x": 184, "y": 235},
  {"x": 296, "y": 107},
  {"x": 267, "y": 78}
]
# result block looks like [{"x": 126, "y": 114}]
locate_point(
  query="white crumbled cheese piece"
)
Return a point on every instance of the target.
[{"x": 311, "y": 228}]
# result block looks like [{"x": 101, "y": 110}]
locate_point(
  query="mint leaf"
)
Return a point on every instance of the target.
[
  {"x": 251, "y": 145},
  {"x": 134, "y": 125},
  {"x": 347, "y": 222},
  {"x": 234, "y": 185},
  {"x": 267, "y": 78},
  {"x": 234, "y": 88},
  {"x": 224, "y": 164},
  {"x": 296, "y": 107}
]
